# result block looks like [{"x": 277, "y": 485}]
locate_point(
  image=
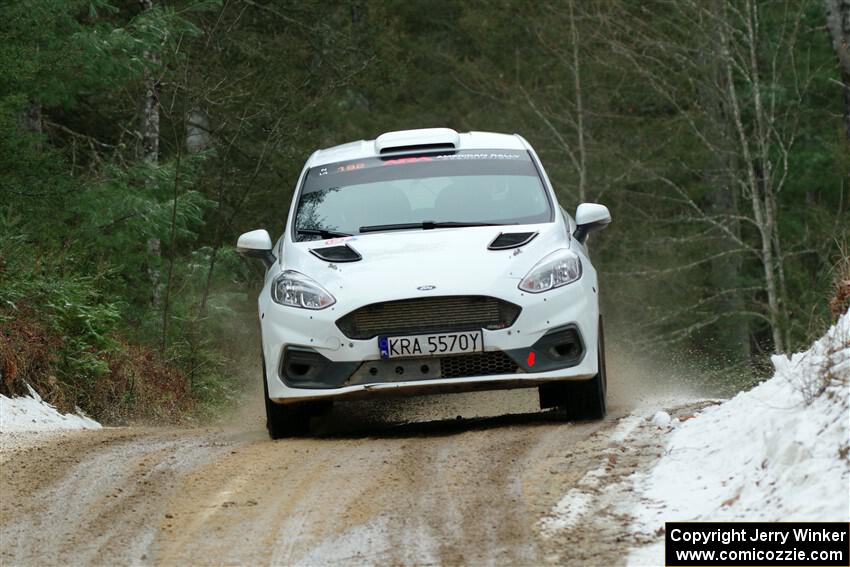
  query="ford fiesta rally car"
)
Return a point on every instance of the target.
[{"x": 428, "y": 261}]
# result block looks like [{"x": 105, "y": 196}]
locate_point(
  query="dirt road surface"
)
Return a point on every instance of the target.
[{"x": 389, "y": 482}]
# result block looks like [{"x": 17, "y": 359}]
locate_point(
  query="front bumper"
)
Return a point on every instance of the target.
[{"x": 345, "y": 367}]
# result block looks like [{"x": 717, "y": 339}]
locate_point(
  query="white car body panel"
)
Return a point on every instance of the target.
[{"x": 453, "y": 261}]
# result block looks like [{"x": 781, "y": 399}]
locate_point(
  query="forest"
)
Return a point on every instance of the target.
[{"x": 139, "y": 138}]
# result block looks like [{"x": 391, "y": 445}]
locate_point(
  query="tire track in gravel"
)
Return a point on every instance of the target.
[
  {"x": 99, "y": 507},
  {"x": 459, "y": 494},
  {"x": 434, "y": 492}
]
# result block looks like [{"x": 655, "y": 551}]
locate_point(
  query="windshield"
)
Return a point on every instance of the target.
[{"x": 468, "y": 187}]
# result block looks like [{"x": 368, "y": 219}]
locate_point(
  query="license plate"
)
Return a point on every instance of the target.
[{"x": 431, "y": 345}]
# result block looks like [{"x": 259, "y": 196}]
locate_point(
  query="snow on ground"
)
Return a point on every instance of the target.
[
  {"x": 578, "y": 501},
  {"x": 776, "y": 452},
  {"x": 31, "y": 413}
]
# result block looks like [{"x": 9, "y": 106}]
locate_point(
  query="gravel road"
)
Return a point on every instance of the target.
[{"x": 389, "y": 482}]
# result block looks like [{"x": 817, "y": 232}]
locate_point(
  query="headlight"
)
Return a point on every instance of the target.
[
  {"x": 558, "y": 268},
  {"x": 297, "y": 290}
]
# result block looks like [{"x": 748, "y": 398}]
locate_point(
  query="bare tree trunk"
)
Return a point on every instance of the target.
[
  {"x": 838, "y": 23},
  {"x": 769, "y": 186},
  {"x": 763, "y": 218},
  {"x": 150, "y": 105},
  {"x": 149, "y": 134},
  {"x": 780, "y": 265},
  {"x": 771, "y": 226}
]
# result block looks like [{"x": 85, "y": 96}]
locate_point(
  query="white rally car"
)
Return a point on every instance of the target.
[{"x": 428, "y": 261}]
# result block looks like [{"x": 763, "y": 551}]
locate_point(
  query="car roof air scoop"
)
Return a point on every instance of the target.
[{"x": 407, "y": 141}]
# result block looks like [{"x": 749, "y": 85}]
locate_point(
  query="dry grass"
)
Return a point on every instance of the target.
[
  {"x": 138, "y": 385},
  {"x": 29, "y": 353},
  {"x": 827, "y": 380},
  {"x": 840, "y": 301}
]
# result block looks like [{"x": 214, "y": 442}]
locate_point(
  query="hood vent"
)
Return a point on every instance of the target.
[
  {"x": 508, "y": 240},
  {"x": 344, "y": 253}
]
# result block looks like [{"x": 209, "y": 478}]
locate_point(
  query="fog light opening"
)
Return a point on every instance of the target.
[
  {"x": 565, "y": 349},
  {"x": 298, "y": 369}
]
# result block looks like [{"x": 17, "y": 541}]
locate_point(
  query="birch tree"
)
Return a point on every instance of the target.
[
  {"x": 733, "y": 111},
  {"x": 763, "y": 176},
  {"x": 149, "y": 127},
  {"x": 149, "y": 139}
]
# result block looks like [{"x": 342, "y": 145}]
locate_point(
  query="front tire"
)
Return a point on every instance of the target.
[
  {"x": 288, "y": 420},
  {"x": 581, "y": 400}
]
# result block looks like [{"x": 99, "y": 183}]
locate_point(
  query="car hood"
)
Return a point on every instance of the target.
[{"x": 403, "y": 264}]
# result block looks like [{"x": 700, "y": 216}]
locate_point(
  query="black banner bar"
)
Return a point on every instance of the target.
[{"x": 763, "y": 544}]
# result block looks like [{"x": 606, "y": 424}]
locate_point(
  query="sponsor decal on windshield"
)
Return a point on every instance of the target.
[
  {"x": 463, "y": 156},
  {"x": 350, "y": 167},
  {"x": 485, "y": 161},
  {"x": 403, "y": 160},
  {"x": 491, "y": 155}
]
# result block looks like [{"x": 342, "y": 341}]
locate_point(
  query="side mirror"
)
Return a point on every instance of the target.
[
  {"x": 590, "y": 217},
  {"x": 256, "y": 244}
]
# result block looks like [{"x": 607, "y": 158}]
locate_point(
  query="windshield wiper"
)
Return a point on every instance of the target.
[
  {"x": 427, "y": 225},
  {"x": 322, "y": 232}
]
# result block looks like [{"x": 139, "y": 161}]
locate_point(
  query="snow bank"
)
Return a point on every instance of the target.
[
  {"x": 31, "y": 413},
  {"x": 776, "y": 452}
]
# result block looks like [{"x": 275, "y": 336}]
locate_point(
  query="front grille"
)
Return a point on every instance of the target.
[
  {"x": 483, "y": 364},
  {"x": 428, "y": 315}
]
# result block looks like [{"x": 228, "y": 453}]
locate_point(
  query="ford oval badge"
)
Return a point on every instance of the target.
[{"x": 426, "y": 287}]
